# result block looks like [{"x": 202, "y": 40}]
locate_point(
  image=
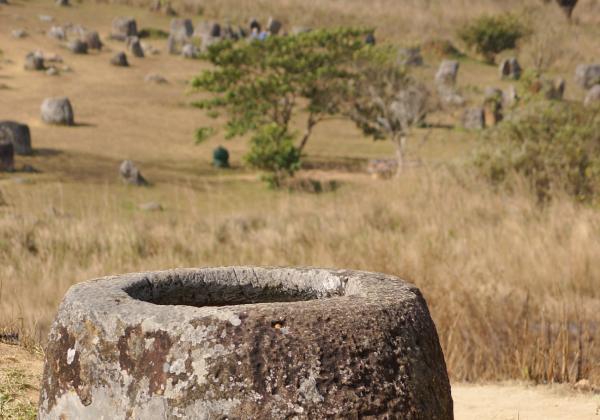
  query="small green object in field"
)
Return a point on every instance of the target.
[
  {"x": 153, "y": 33},
  {"x": 221, "y": 157}
]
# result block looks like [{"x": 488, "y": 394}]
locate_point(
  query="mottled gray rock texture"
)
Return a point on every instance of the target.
[
  {"x": 7, "y": 156},
  {"x": 119, "y": 59},
  {"x": 510, "y": 68},
  {"x": 593, "y": 96},
  {"x": 587, "y": 75},
  {"x": 130, "y": 174},
  {"x": 245, "y": 343},
  {"x": 18, "y": 134},
  {"x": 57, "y": 111},
  {"x": 34, "y": 61},
  {"x": 474, "y": 118},
  {"x": 123, "y": 27}
]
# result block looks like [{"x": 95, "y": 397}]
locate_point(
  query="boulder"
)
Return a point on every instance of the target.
[
  {"x": 57, "y": 111},
  {"x": 474, "y": 118},
  {"x": 34, "y": 61},
  {"x": 7, "y": 157},
  {"x": 587, "y": 76},
  {"x": 510, "y": 97},
  {"x": 119, "y": 60},
  {"x": 52, "y": 71},
  {"x": 180, "y": 32},
  {"x": 57, "y": 32},
  {"x": 447, "y": 73},
  {"x": 19, "y": 33},
  {"x": 510, "y": 69},
  {"x": 155, "y": 78},
  {"x": 130, "y": 174},
  {"x": 18, "y": 135},
  {"x": 245, "y": 343},
  {"x": 64, "y": 3},
  {"x": 135, "y": 46},
  {"x": 151, "y": 206},
  {"x": 93, "y": 41},
  {"x": 190, "y": 51},
  {"x": 77, "y": 46},
  {"x": 221, "y": 157},
  {"x": 274, "y": 26},
  {"x": 555, "y": 89},
  {"x": 593, "y": 96},
  {"x": 410, "y": 57},
  {"x": 123, "y": 28},
  {"x": 370, "y": 39},
  {"x": 254, "y": 25}
]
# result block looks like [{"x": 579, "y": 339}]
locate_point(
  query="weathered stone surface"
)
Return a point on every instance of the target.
[
  {"x": 18, "y": 33},
  {"x": 130, "y": 174},
  {"x": 410, "y": 57},
  {"x": 57, "y": 32},
  {"x": 445, "y": 82},
  {"x": 587, "y": 76},
  {"x": 119, "y": 60},
  {"x": 18, "y": 134},
  {"x": 77, "y": 46},
  {"x": 64, "y": 3},
  {"x": 57, "y": 111},
  {"x": 245, "y": 343},
  {"x": 34, "y": 61},
  {"x": 510, "y": 69},
  {"x": 180, "y": 32},
  {"x": 474, "y": 118},
  {"x": 7, "y": 157},
  {"x": 123, "y": 27},
  {"x": 593, "y": 96},
  {"x": 274, "y": 26},
  {"x": 190, "y": 51},
  {"x": 510, "y": 97},
  {"x": 155, "y": 78},
  {"x": 93, "y": 41},
  {"x": 135, "y": 46}
]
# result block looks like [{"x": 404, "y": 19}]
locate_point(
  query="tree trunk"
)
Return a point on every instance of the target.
[
  {"x": 400, "y": 143},
  {"x": 309, "y": 127}
]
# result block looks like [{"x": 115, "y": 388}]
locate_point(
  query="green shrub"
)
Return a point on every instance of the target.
[
  {"x": 153, "y": 33},
  {"x": 554, "y": 145},
  {"x": 490, "y": 35}
]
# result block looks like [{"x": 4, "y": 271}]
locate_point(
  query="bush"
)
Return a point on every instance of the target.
[
  {"x": 272, "y": 149},
  {"x": 490, "y": 35},
  {"x": 554, "y": 145}
]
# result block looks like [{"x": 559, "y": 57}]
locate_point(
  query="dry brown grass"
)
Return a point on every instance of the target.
[{"x": 512, "y": 287}]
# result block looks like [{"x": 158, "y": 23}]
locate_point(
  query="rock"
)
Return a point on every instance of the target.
[
  {"x": 7, "y": 157},
  {"x": 77, "y": 46},
  {"x": 130, "y": 174},
  {"x": 445, "y": 81},
  {"x": 57, "y": 111},
  {"x": 587, "y": 76},
  {"x": 52, "y": 71},
  {"x": 45, "y": 18},
  {"x": 245, "y": 343},
  {"x": 34, "y": 61},
  {"x": 447, "y": 73},
  {"x": 180, "y": 32},
  {"x": 474, "y": 118},
  {"x": 274, "y": 26},
  {"x": 123, "y": 28},
  {"x": 593, "y": 96},
  {"x": 410, "y": 57},
  {"x": 510, "y": 97},
  {"x": 510, "y": 69},
  {"x": 155, "y": 78},
  {"x": 18, "y": 135},
  {"x": 119, "y": 59},
  {"x": 492, "y": 106},
  {"x": 254, "y": 25},
  {"x": 555, "y": 89},
  {"x": 151, "y": 206},
  {"x": 19, "y": 33},
  {"x": 57, "y": 32},
  {"x": 135, "y": 46},
  {"x": 93, "y": 41},
  {"x": 64, "y": 3},
  {"x": 190, "y": 51},
  {"x": 3, "y": 1},
  {"x": 584, "y": 385}
]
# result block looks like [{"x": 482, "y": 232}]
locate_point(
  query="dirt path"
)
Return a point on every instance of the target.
[
  {"x": 522, "y": 402},
  {"x": 471, "y": 402}
]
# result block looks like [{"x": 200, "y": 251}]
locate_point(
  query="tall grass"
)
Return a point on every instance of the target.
[{"x": 513, "y": 287}]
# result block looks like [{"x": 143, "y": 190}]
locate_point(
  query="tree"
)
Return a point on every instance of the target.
[
  {"x": 261, "y": 85},
  {"x": 387, "y": 103}
]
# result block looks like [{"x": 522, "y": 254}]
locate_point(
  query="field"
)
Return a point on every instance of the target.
[{"x": 512, "y": 286}]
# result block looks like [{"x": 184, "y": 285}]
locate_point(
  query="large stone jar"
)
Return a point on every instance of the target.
[{"x": 245, "y": 343}]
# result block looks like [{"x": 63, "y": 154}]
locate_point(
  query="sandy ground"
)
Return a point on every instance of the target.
[{"x": 471, "y": 402}]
